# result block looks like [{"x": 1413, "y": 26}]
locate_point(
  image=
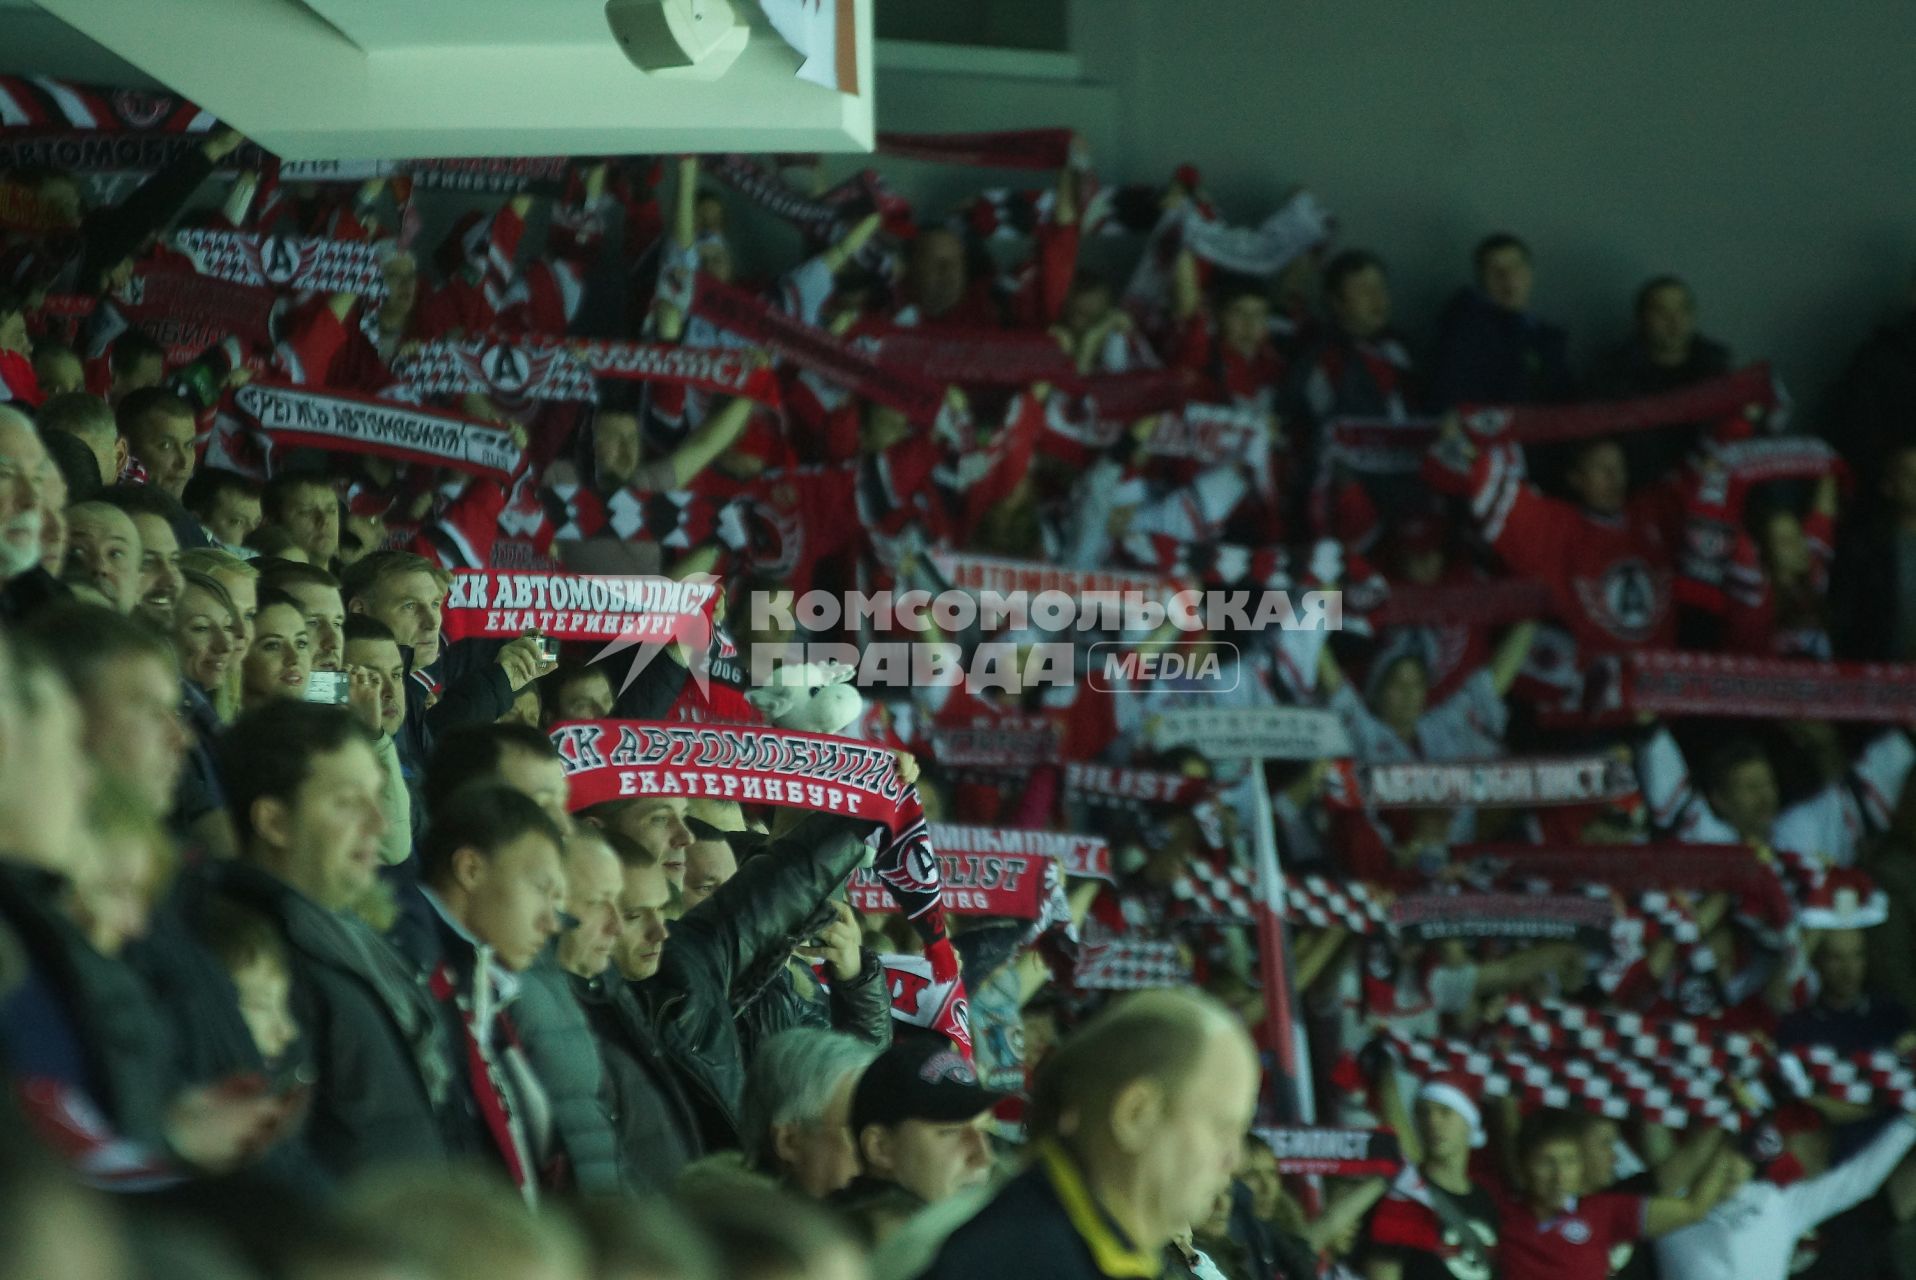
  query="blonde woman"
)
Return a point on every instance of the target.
[
  {"x": 241, "y": 581},
  {"x": 207, "y": 638},
  {"x": 238, "y": 576},
  {"x": 207, "y": 633}
]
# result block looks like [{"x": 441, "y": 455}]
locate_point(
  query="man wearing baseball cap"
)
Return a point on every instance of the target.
[
  {"x": 1436, "y": 1224},
  {"x": 918, "y": 1122}
]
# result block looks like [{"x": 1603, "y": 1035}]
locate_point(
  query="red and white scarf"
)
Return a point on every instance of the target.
[
  {"x": 301, "y": 417},
  {"x": 295, "y": 263}
]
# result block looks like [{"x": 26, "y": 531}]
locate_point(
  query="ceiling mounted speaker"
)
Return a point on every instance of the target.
[{"x": 688, "y": 39}]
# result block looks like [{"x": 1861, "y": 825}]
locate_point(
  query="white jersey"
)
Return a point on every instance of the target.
[
  {"x": 1468, "y": 725},
  {"x": 1752, "y": 1235},
  {"x": 1826, "y": 828}
]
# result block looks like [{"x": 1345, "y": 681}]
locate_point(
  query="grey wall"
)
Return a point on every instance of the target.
[{"x": 1765, "y": 151}]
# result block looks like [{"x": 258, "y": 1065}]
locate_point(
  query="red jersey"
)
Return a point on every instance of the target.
[
  {"x": 1613, "y": 577},
  {"x": 1226, "y": 375},
  {"x": 1572, "y": 1244},
  {"x": 1405, "y": 1228}
]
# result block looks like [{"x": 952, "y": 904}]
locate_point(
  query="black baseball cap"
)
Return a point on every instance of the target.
[{"x": 923, "y": 1078}]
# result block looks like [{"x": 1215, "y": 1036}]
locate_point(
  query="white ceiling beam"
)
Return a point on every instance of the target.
[{"x": 292, "y": 80}]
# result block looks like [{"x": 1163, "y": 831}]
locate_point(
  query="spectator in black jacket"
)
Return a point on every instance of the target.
[
  {"x": 785, "y": 994},
  {"x": 127, "y": 681},
  {"x": 918, "y": 1122},
  {"x": 471, "y": 682},
  {"x": 78, "y": 1029},
  {"x": 99, "y": 256},
  {"x": 1359, "y": 368},
  {"x": 1876, "y": 400},
  {"x": 752, "y": 917},
  {"x": 304, "y": 788},
  {"x": 318, "y": 596},
  {"x": 495, "y": 886},
  {"x": 513, "y": 755},
  {"x": 159, "y": 428},
  {"x": 134, "y": 362},
  {"x": 657, "y": 1129},
  {"x": 90, "y": 420},
  {"x": 1665, "y": 352},
  {"x": 1873, "y": 579},
  {"x": 1491, "y": 348},
  {"x": 1136, "y": 1120},
  {"x": 303, "y": 503}
]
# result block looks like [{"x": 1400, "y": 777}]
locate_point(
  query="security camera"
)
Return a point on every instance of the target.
[{"x": 687, "y": 39}]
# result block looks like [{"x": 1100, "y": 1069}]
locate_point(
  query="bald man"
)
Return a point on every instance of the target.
[
  {"x": 1140, "y": 1115},
  {"x": 23, "y": 468},
  {"x": 104, "y": 552},
  {"x": 25, "y": 588}
]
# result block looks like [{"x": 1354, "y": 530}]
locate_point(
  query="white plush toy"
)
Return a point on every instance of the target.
[{"x": 817, "y": 697}]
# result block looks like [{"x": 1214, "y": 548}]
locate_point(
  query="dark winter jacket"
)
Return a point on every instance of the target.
[
  {"x": 1487, "y": 354},
  {"x": 860, "y": 1007},
  {"x": 751, "y": 917},
  {"x": 564, "y": 1054},
  {"x": 382, "y": 1065},
  {"x": 78, "y": 1017},
  {"x": 654, "y": 1124}
]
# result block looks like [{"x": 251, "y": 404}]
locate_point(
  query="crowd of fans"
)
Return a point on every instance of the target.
[{"x": 312, "y": 965}]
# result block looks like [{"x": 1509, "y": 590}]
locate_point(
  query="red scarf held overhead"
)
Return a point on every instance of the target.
[
  {"x": 973, "y": 357},
  {"x": 183, "y": 311},
  {"x": 819, "y": 219},
  {"x": 1728, "y": 396},
  {"x": 1568, "y": 780},
  {"x": 307, "y": 418},
  {"x": 1478, "y": 604},
  {"x": 18, "y": 382},
  {"x": 752, "y": 318},
  {"x": 1670, "y": 683},
  {"x": 974, "y": 884},
  {"x": 303, "y": 263},
  {"x": 924, "y": 994},
  {"x": 1635, "y": 868},
  {"x": 565, "y": 606},
  {"x": 82, "y": 129},
  {"x": 1335, "y": 1153}
]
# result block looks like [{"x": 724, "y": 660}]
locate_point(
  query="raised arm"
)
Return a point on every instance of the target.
[
  {"x": 846, "y": 249},
  {"x": 1186, "y": 296},
  {"x": 1507, "y": 665},
  {"x": 1690, "y": 1158},
  {"x": 714, "y": 436},
  {"x": 1344, "y": 1211},
  {"x": 685, "y": 203},
  {"x": 758, "y": 909},
  {"x": 1853, "y": 1181},
  {"x": 1664, "y": 1214}
]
